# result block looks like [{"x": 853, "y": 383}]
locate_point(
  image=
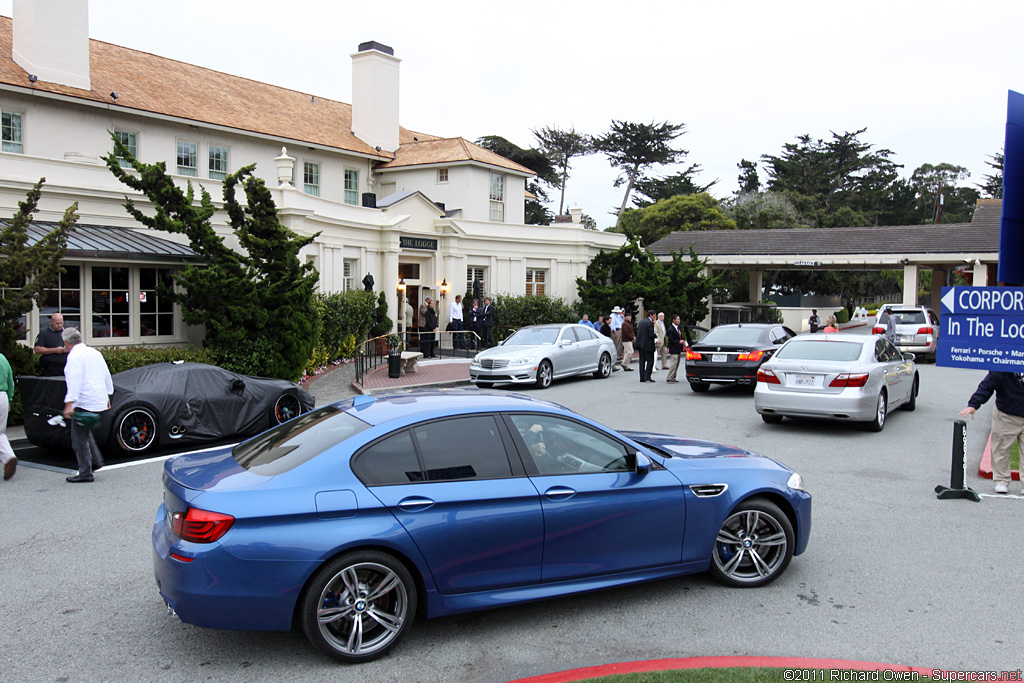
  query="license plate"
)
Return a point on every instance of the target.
[
  {"x": 719, "y": 357},
  {"x": 906, "y": 338},
  {"x": 807, "y": 380}
]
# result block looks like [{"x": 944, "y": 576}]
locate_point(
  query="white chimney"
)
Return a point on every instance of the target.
[
  {"x": 51, "y": 40},
  {"x": 375, "y": 96}
]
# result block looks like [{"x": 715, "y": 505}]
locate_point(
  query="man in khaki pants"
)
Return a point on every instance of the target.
[
  {"x": 1007, "y": 420},
  {"x": 674, "y": 341},
  {"x": 660, "y": 351}
]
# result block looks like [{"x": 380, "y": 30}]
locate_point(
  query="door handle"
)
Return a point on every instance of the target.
[
  {"x": 413, "y": 504},
  {"x": 560, "y": 492}
]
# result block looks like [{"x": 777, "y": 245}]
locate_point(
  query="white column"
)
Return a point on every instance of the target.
[
  {"x": 711, "y": 302},
  {"x": 938, "y": 280},
  {"x": 388, "y": 283},
  {"x": 756, "y": 286},
  {"x": 910, "y": 284},
  {"x": 980, "y": 274}
]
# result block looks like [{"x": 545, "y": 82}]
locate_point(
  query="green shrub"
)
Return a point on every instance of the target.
[
  {"x": 121, "y": 358},
  {"x": 843, "y": 316},
  {"x": 514, "y": 311},
  {"x": 344, "y": 315},
  {"x": 23, "y": 362},
  {"x": 248, "y": 357}
]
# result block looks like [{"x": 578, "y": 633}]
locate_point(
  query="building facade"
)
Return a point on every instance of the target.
[{"x": 395, "y": 204}]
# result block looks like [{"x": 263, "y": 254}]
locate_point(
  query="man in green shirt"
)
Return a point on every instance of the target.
[{"x": 7, "y": 457}]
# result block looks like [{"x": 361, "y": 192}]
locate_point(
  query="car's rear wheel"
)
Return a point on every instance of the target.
[
  {"x": 771, "y": 418},
  {"x": 358, "y": 606},
  {"x": 881, "y": 407},
  {"x": 545, "y": 374},
  {"x": 135, "y": 430},
  {"x": 604, "y": 366},
  {"x": 699, "y": 387},
  {"x": 911, "y": 405},
  {"x": 754, "y": 545},
  {"x": 286, "y": 407}
]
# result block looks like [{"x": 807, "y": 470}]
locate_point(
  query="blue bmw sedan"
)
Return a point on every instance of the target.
[{"x": 353, "y": 519}]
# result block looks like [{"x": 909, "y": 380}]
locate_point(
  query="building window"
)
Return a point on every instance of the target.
[
  {"x": 188, "y": 158},
  {"x": 218, "y": 162},
  {"x": 474, "y": 273},
  {"x": 131, "y": 142},
  {"x": 311, "y": 178},
  {"x": 12, "y": 132},
  {"x": 409, "y": 271},
  {"x": 156, "y": 310},
  {"x": 535, "y": 282},
  {"x": 348, "y": 275},
  {"x": 111, "y": 307},
  {"x": 66, "y": 299},
  {"x": 442, "y": 175},
  {"x": 351, "y": 187},
  {"x": 497, "y": 198}
]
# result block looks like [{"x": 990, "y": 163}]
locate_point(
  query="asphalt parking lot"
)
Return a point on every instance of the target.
[{"x": 891, "y": 574}]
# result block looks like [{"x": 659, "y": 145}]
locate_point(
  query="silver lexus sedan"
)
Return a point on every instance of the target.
[
  {"x": 837, "y": 376},
  {"x": 542, "y": 353}
]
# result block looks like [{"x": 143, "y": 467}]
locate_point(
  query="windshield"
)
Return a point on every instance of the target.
[
  {"x": 289, "y": 445},
  {"x": 533, "y": 336},
  {"x": 733, "y": 335},
  {"x": 820, "y": 349}
]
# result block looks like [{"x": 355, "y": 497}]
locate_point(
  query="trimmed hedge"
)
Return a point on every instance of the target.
[
  {"x": 121, "y": 358},
  {"x": 514, "y": 311}
]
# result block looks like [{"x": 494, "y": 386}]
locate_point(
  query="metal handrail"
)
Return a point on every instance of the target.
[{"x": 374, "y": 352}]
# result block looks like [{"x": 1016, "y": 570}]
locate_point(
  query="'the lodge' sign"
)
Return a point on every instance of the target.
[{"x": 417, "y": 243}]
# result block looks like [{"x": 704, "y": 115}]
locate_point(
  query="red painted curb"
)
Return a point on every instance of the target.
[
  {"x": 985, "y": 466},
  {"x": 717, "y": 663}
]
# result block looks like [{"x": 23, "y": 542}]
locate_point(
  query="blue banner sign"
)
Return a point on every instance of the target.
[
  {"x": 1011, "y": 228},
  {"x": 982, "y": 328}
]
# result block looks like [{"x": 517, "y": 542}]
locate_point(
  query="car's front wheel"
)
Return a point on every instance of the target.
[
  {"x": 881, "y": 408},
  {"x": 135, "y": 430},
  {"x": 545, "y": 373},
  {"x": 754, "y": 545},
  {"x": 359, "y": 605},
  {"x": 604, "y": 366}
]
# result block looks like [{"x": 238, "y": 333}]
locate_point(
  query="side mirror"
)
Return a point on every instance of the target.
[
  {"x": 565, "y": 342},
  {"x": 237, "y": 386},
  {"x": 643, "y": 464},
  {"x": 909, "y": 356}
]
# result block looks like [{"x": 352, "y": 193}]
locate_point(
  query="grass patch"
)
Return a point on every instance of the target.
[{"x": 729, "y": 675}]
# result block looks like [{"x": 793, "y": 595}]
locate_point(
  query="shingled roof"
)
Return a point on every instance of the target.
[
  {"x": 153, "y": 84},
  {"x": 981, "y": 235}
]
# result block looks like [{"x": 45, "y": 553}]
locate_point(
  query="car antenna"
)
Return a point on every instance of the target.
[{"x": 361, "y": 401}]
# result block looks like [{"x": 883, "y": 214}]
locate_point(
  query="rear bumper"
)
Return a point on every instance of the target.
[
  {"x": 218, "y": 590},
  {"x": 851, "y": 404},
  {"x": 716, "y": 373}
]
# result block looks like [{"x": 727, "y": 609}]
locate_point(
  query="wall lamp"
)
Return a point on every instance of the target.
[
  {"x": 444, "y": 288},
  {"x": 401, "y": 286},
  {"x": 32, "y": 78}
]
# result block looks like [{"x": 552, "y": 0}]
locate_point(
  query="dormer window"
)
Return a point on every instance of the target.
[{"x": 497, "y": 197}]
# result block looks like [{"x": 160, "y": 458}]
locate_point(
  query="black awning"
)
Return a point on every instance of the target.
[{"x": 126, "y": 244}]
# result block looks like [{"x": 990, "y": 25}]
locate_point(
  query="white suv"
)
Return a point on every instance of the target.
[{"x": 917, "y": 330}]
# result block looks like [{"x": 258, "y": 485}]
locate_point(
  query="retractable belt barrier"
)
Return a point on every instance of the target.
[{"x": 958, "y": 468}]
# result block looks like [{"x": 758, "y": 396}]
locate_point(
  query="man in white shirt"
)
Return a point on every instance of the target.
[
  {"x": 89, "y": 389},
  {"x": 617, "y": 319},
  {"x": 455, "y": 318}
]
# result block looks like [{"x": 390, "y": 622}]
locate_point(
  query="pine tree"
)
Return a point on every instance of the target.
[{"x": 255, "y": 304}]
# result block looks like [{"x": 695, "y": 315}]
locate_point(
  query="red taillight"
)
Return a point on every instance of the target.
[
  {"x": 848, "y": 380},
  {"x": 924, "y": 330},
  {"x": 200, "y": 526},
  {"x": 753, "y": 355},
  {"x": 692, "y": 355},
  {"x": 877, "y": 330},
  {"x": 767, "y": 376}
]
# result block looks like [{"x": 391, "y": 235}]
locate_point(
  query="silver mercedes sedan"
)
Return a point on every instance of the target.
[
  {"x": 837, "y": 376},
  {"x": 542, "y": 353}
]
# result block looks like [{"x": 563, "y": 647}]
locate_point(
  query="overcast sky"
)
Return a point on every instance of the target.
[{"x": 927, "y": 79}]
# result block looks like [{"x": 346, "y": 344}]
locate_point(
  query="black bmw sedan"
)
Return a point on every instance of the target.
[{"x": 731, "y": 354}]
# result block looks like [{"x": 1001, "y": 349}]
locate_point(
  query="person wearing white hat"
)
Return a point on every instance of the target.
[{"x": 616, "y": 324}]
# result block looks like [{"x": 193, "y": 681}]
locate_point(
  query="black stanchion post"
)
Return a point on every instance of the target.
[{"x": 958, "y": 468}]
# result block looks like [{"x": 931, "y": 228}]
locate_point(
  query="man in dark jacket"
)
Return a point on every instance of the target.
[
  {"x": 1007, "y": 419},
  {"x": 628, "y": 336},
  {"x": 674, "y": 340},
  {"x": 645, "y": 345},
  {"x": 488, "y": 323}
]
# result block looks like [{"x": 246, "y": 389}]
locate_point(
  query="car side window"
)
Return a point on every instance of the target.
[
  {"x": 584, "y": 334},
  {"x": 560, "y": 446},
  {"x": 933, "y": 318},
  {"x": 880, "y": 350},
  {"x": 568, "y": 334},
  {"x": 391, "y": 460},
  {"x": 885, "y": 352},
  {"x": 463, "y": 448}
]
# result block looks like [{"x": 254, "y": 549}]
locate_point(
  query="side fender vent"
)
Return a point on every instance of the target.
[{"x": 708, "y": 490}]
